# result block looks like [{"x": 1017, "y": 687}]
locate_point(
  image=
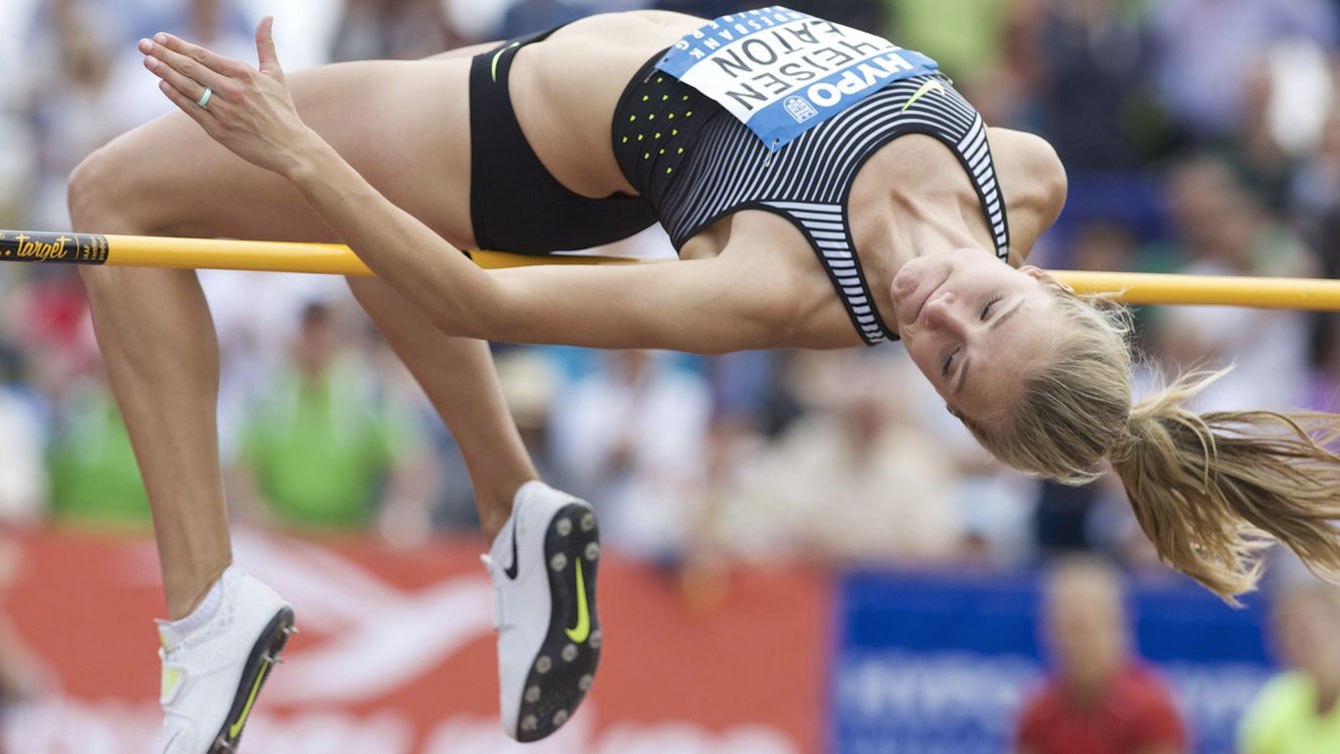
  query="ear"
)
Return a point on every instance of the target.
[{"x": 1042, "y": 276}]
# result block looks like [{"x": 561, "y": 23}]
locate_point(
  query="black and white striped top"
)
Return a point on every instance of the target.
[{"x": 724, "y": 168}]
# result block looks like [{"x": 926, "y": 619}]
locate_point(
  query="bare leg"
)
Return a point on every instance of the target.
[
  {"x": 162, "y": 358},
  {"x": 450, "y": 369},
  {"x": 155, "y": 330}
]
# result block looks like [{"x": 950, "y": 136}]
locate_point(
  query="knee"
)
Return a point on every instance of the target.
[
  {"x": 92, "y": 199},
  {"x": 99, "y": 202},
  {"x": 89, "y": 195},
  {"x": 102, "y": 197}
]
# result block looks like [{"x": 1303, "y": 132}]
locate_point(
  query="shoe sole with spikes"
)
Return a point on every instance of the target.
[
  {"x": 564, "y": 668},
  {"x": 264, "y": 656}
]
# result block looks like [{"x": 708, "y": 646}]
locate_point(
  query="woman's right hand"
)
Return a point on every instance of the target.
[{"x": 248, "y": 110}]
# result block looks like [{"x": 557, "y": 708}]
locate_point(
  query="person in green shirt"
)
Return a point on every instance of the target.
[
  {"x": 95, "y": 482},
  {"x": 966, "y": 35},
  {"x": 322, "y": 448},
  {"x": 1298, "y": 711}
]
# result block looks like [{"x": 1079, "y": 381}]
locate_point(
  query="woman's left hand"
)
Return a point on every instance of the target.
[{"x": 248, "y": 110}]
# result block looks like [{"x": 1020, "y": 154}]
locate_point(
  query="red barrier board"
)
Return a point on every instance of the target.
[{"x": 396, "y": 654}]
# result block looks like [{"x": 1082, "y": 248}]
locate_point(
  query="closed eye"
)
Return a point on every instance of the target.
[
  {"x": 986, "y": 310},
  {"x": 949, "y": 361}
]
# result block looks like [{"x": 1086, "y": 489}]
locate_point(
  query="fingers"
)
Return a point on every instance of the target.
[
  {"x": 164, "y": 62},
  {"x": 266, "y": 54},
  {"x": 187, "y": 86},
  {"x": 191, "y": 55},
  {"x": 189, "y": 106}
]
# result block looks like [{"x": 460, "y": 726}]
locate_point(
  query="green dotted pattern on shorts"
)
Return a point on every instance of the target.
[{"x": 654, "y": 122}]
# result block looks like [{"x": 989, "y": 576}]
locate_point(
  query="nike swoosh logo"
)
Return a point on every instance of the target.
[
  {"x": 511, "y": 570},
  {"x": 926, "y": 87},
  {"x": 251, "y": 699},
  {"x": 579, "y": 632},
  {"x": 494, "y": 70}
]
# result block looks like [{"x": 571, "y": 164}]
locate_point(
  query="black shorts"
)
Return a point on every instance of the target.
[{"x": 515, "y": 204}]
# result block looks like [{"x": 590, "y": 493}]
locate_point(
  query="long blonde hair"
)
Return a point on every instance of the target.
[{"x": 1210, "y": 491}]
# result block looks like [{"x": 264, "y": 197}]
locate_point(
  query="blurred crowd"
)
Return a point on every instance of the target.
[{"x": 1200, "y": 136}]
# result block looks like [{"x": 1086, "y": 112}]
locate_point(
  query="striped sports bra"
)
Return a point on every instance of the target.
[{"x": 695, "y": 163}]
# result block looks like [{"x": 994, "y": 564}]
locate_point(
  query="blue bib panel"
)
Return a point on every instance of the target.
[{"x": 781, "y": 72}]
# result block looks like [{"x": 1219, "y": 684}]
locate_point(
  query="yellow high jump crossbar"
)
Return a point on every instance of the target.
[{"x": 336, "y": 259}]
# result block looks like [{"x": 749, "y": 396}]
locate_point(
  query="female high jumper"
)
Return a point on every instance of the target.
[{"x": 824, "y": 188}]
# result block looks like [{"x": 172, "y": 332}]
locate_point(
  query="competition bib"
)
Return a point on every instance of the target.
[{"x": 781, "y": 72}]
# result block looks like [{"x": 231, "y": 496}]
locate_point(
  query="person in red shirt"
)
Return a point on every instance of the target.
[{"x": 1100, "y": 699}]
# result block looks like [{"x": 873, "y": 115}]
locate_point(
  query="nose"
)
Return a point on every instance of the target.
[{"x": 942, "y": 313}]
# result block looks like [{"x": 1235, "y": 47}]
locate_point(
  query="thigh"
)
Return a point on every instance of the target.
[{"x": 404, "y": 125}]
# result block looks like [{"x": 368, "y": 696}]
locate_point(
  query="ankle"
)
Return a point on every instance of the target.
[
  {"x": 183, "y": 600},
  {"x": 495, "y": 507},
  {"x": 491, "y": 522}
]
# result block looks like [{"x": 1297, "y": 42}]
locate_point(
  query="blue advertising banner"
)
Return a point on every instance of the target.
[{"x": 937, "y": 664}]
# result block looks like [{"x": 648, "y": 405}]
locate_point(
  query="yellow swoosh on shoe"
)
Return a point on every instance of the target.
[
  {"x": 579, "y": 632},
  {"x": 251, "y": 699}
]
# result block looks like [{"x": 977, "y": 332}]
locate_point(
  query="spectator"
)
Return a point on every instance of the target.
[
  {"x": 1315, "y": 197},
  {"x": 324, "y": 449},
  {"x": 72, "y": 103},
  {"x": 856, "y": 478},
  {"x": 393, "y": 29},
  {"x": 1093, "y": 75},
  {"x": 1100, "y": 698},
  {"x": 631, "y": 439},
  {"x": 95, "y": 481},
  {"x": 528, "y": 377},
  {"x": 1324, "y": 387},
  {"x": 529, "y": 16},
  {"x": 1224, "y": 230},
  {"x": 964, "y": 36},
  {"x": 1208, "y": 49},
  {"x": 1298, "y": 712},
  {"x": 23, "y": 483},
  {"x": 220, "y": 25}
]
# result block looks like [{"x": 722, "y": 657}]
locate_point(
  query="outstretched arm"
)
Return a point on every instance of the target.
[{"x": 703, "y": 306}]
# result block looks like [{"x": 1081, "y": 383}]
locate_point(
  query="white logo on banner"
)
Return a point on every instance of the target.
[
  {"x": 800, "y": 109},
  {"x": 382, "y": 637}
]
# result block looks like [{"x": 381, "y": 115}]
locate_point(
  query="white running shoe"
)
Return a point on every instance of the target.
[
  {"x": 211, "y": 676},
  {"x": 543, "y": 565}
]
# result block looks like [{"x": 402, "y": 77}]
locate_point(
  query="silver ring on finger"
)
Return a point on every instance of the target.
[{"x": 203, "y": 102}]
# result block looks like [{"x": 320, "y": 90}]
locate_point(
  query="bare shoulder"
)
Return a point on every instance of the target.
[
  {"x": 773, "y": 267},
  {"x": 1033, "y": 181}
]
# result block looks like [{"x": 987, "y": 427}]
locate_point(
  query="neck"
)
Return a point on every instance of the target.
[
  {"x": 925, "y": 224},
  {"x": 1086, "y": 692},
  {"x": 1328, "y": 690}
]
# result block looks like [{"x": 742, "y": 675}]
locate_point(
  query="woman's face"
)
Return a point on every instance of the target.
[
  {"x": 1305, "y": 626},
  {"x": 973, "y": 326}
]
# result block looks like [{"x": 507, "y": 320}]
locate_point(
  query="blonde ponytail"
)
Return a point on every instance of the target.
[{"x": 1212, "y": 491}]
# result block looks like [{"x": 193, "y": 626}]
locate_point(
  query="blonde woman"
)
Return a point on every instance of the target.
[{"x": 824, "y": 189}]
